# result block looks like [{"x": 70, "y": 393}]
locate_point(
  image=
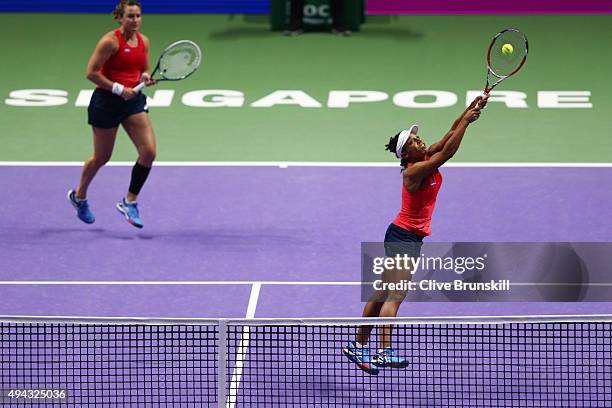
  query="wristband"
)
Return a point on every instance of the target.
[{"x": 117, "y": 88}]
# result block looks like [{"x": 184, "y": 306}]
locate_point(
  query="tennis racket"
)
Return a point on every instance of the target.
[
  {"x": 506, "y": 56},
  {"x": 178, "y": 61}
]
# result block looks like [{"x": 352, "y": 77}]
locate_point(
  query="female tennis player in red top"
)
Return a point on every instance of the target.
[
  {"x": 421, "y": 182},
  {"x": 118, "y": 63}
]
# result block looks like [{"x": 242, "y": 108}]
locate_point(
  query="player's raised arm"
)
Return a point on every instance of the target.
[
  {"x": 437, "y": 146},
  {"x": 413, "y": 175}
]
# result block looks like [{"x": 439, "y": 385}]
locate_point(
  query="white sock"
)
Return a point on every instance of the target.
[
  {"x": 359, "y": 345},
  {"x": 130, "y": 202}
]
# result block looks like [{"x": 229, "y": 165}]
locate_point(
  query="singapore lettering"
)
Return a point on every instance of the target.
[{"x": 335, "y": 99}]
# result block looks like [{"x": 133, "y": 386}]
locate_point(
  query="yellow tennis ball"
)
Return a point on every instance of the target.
[{"x": 507, "y": 49}]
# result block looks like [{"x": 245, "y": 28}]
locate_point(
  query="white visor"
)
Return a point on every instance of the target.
[{"x": 403, "y": 138}]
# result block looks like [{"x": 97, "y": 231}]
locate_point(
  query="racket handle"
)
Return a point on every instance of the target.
[
  {"x": 485, "y": 94},
  {"x": 139, "y": 87}
]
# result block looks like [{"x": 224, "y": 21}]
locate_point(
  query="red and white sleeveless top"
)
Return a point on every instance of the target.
[
  {"x": 418, "y": 206},
  {"x": 128, "y": 63}
]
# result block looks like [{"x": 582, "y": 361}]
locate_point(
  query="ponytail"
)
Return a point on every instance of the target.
[{"x": 392, "y": 147}]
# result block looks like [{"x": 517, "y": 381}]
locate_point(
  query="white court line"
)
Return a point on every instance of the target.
[
  {"x": 254, "y": 283},
  {"x": 250, "y": 314},
  {"x": 242, "y": 349},
  {"x": 258, "y": 284},
  {"x": 297, "y": 164}
]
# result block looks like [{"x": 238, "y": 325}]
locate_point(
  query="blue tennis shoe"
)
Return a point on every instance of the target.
[
  {"x": 83, "y": 211},
  {"x": 130, "y": 212},
  {"x": 361, "y": 357},
  {"x": 388, "y": 358}
]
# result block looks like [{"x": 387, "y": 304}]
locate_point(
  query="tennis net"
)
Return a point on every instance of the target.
[{"x": 521, "y": 361}]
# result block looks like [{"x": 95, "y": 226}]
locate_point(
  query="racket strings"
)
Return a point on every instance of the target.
[
  {"x": 502, "y": 63},
  {"x": 179, "y": 61}
]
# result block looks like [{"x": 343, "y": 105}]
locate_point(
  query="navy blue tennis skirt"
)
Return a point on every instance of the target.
[
  {"x": 107, "y": 110},
  {"x": 400, "y": 241}
]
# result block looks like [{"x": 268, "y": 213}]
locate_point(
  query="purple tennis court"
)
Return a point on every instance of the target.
[
  {"x": 272, "y": 188},
  {"x": 275, "y": 242},
  {"x": 207, "y": 238}
]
